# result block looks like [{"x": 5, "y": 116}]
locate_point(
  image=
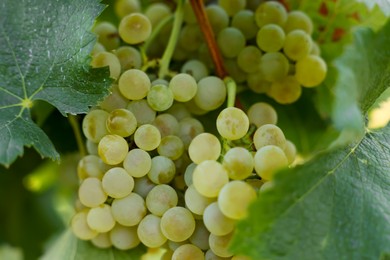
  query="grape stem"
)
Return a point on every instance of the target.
[
  {"x": 156, "y": 32},
  {"x": 231, "y": 91},
  {"x": 77, "y": 133},
  {"x": 173, "y": 38},
  {"x": 204, "y": 23}
]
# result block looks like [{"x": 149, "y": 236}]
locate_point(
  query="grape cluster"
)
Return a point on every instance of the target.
[{"x": 153, "y": 174}]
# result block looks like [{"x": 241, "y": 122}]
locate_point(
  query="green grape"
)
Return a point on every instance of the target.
[
  {"x": 211, "y": 93},
  {"x": 249, "y": 58},
  {"x": 113, "y": 149},
  {"x": 149, "y": 232},
  {"x": 130, "y": 210},
  {"x": 285, "y": 91},
  {"x": 204, "y": 147},
  {"x": 234, "y": 199},
  {"x": 80, "y": 226},
  {"x": 92, "y": 148},
  {"x": 143, "y": 185},
  {"x": 171, "y": 146},
  {"x": 167, "y": 124},
  {"x": 218, "y": 18},
  {"x": 232, "y": 123},
  {"x": 121, "y": 122},
  {"x": 291, "y": 151},
  {"x": 190, "y": 37},
  {"x": 200, "y": 237},
  {"x": 189, "y": 15},
  {"x": 244, "y": 20},
  {"x": 232, "y": 7},
  {"x": 177, "y": 224},
  {"x": 162, "y": 171},
  {"x": 266, "y": 186},
  {"x": 195, "y": 68},
  {"x": 188, "y": 252},
  {"x": 310, "y": 71},
  {"x": 97, "y": 48},
  {"x": 194, "y": 109},
  {"x": 135, "y": 28},
  {"x": 147, "y": 137},
  {"x": 209, "y": 177},
  {"x": 107, "y": 35},
  {"x": 124, "y": 238},
  {"x": 156, "y": 12},
  {"x": 209, "y": 255},
  {"x": 268, "y": 160},
  {"x": 220, "y": 244},
  {"x": 161, "y": 198},
  {"x": 100, "y": 218},
  {"x": 142, "y": 111},
  {"x": 134, "y": 84},
  {"x": 189, "y": 128},
  {"x": 91, "y": 193},
  {"x": 234, "y": 70},
  {"x": 94, "y": 125},
  {"x": 174, "y": 245},
  {"x": 91, "y": 166},
  {"x": 137, "y": 163},
  {"x": 238, "y": 162},
  {"x": 104, "y": 59},
  {"x": 230, "y": 41},
  {"x": 160, "y": 82},
  {"x": 269, "y": 135},
  {"x": 257, "y": 82},
  {"x": 179, "y": 111},
  {"x": 102, "y": 240},
  {"x": 262, "y": 113},
  {"x": 129, "y": 57},
  {"x": 183, "y": 87},
  {"x": 114, "y": 101},
  {"x": 270, "y": 38},
  {"x": 274, "y": 66},
  {"x": 188, "y": 174},
  {"x": 117, "y": 183},
  {"x": 160, "y": 97},
  {"x": 125, "y": 7},
  {"x": 298, "y": 20},
  {"x": 271, "y": 12},
  {"x": 167, "y": 255},
  {"x": 216, "y": 222},
  {"x": 315, "y": 49},
  {"x": 297, "y": 45},
  {"x": 195, "y": 201}
]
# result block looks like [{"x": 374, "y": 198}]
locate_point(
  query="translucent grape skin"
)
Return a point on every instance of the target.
[
  {"x": 161, "y": 198},
  {"x": 297, "y": 45},
  {"x": 162, "y": 170},
  {"x": 244, "y": 20},
  {"x": 204, "y": 147},
  {"x": 121, "y": 122},
  {"x": 134, "y": 84},
  {"x": 230, "y": 41},
  {"x": 238, "y": 162},
  {"x": 262, "y": 113},
  {"x": 270, "y": 12},
  {"x": 171, "y": 146},
  {"x": 298, "y": 20},
  {"x": 113, "y": 149},
  {"x": 137, "y": 163},
  {"x": 285, "y": 91},
  {"x": 183, "y": 87},
  {"x": 147, "y": 137},
  {"x": 310, "y": 71},
  {"x": 117, "y": 183},
  {"x": 135, "y": 28},
  {"x": 211, "y": 93},
  {"x": 269, "y": 135},
  {"x": 130, "y": 210},
  {"x": 149, "y": 231},
  {"x": 232, "y": 123},
  {"x": 270, "y": 38},
  {"x": 216, "y": 222},
  {"x": 232, "y": 7},
  {"x": 249, "y": 58},
  {"x": 94, "y": 125},
  {"x": 123, "y": 237},
  {"x": 107, "y": 35},
  {"x": 195, "y": 201},
  {"x": 160, "y": 97},
  {"x": 274, "y": 66},
  {"x": 100, "y": 218},
  {"x": 91, "y": 193},
  {"x": 220, "y": 244},
  {"x": 80, "y": 227},
  {"x": 268, "y": 160},
  {"x": 177, "y": 224},
  {"x": 104, "y": 59},
  {"x": 188, "y": 252}
]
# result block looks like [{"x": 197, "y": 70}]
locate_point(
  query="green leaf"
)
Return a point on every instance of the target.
[
  {"x": 68, "y": 247},
  {"x": 45, "y": 56}
]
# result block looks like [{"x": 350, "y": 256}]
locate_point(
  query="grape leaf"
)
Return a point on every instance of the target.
[
  {"x": 68, "y": 247},
  {"x": 45, "y": 56}
]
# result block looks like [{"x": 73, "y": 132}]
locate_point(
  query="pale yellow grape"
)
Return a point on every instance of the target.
[
  {"x": 161, "y": 198},
  {"x": 91, "y": 166},
  {"x": 234, "y": 199},
  {"x": 102, "y": 240},
  {"x": 104, "y": 59},
  {"x": 262, "y": 113},
  {"x": 195, "y": 68},
  {"x": 209, "y": 255},
  {"x": 98, "y": 47},
  {"x": 125, "y": 7},
  {"x": 267, "y": 185},
  {"x": 195, "y": 201},
  {"x": 218, "y": 17},
  {"x": 203, "y": 147},
  {"x": 114, "y": 101},
  {"x": 162, "y": 170},
  {"x": 270, "y": 38},
  {"x": 149, "y": 231},
  {"x": 257, "y": 83},
  {"x": 274, "y": 66},
  {"x": 268, "y": 160},
  {"x": 160, "y": 97},
  {"x": 230, "y": 41},
  {"x": 107, "y": 35},
  {"x": 137, "y": 163},
  {"x": 189, "y": 128},
  {"x": 232, "y": 123},
  {"x": 291, "y": 151},
  {"x": 216, "y": 222},
  {"x": 94, "y": 125},
  {"x": 209, "y": 177},
  {"x": 130, "y": 210},
  {"x": 142, "y": 111},
  {"x": 244, "y": 20},
  {"x": 188, "y": 252},
  {"x": 220, "y": 244},
  {"x": 174, "y": 245},
  {"x": 147, "y": 137},
  {"x": 315, "y": 49},
  {"x": 183, "y": 87},
  {"x": 200, "y": 237},
  {"x": 298, "y": 20},
  {"x": 249, "y": 58},
  {"x": 117, "y": 183},
  {"x": 100, "y": 218},
  {"x": 156, "y": 12},
  {"x": 188, "y": 174},
  {"x": 167, "y": 124},
  {"x": 270, "y": 12},
  {"x": 285, "y": 91},
  {"x": 135, "y": 28},
  {"x": 80, "y": 226},
  {"x": 91, "y": 193},
  {"x": 134, "y": 84},
  {"x": 269, "y": 135},
  {"x": 179, "y": 111},
  {"x": 238, "y": 162},
  {"x": 142, "y": 186},
  {"x": 121, "y": 122},
  {"x": 310, "y": 71},
  {"x": 129, "y": 57},
  {"x": 124, "y": 238},
  {"x": 297, "y": 45},
  {"x": 171, "y": 146},
  {"x": 177, "y": 224},
  {"x": 113, "y": 149},
  {"x": 232, "y": 7}
]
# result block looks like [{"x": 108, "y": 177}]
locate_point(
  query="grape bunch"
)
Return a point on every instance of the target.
[{"x": 154, "y": 175}]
